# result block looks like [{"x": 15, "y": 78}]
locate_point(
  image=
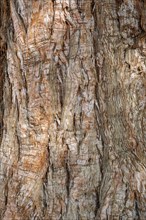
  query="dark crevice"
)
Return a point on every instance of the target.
[
  {"x": 44, "y": 198},
  {"x": 4, "y": 15},
  {"x": 78, "y": 213},
  {"x": 97, "y": 201},
  {"x": 53, "y": 1},
  {"x": 119, "y": 2},
  {"x": 67, "y": 177},
  {"x": 6, "y": 199},
  {"x": 45, "y": 181},
  {"x": 60, "y": 79},
  {"x": 19, "y": 144},
  {"x": 136, "y": 207},
  {"x": 126, "y": 194},
  {"x": 80, "y": 142},
  {"x": 95, "y": 43}
]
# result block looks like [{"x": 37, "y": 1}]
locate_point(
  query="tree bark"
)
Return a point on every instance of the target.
[{"x": 72, "y": 110}]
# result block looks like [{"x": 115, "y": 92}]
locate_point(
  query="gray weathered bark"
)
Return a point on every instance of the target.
[{"x": 72, "y": 116}]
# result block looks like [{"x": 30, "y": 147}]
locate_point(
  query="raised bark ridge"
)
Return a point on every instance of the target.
[{"x": 72, "y": 114}]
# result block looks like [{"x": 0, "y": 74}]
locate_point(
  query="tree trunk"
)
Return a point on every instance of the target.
[{"x": 72, "y": 110}]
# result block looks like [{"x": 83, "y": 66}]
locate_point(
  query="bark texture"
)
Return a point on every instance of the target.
[{"x": 72, "y": 110}]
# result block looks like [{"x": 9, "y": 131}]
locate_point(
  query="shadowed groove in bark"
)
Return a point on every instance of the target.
[
  {"x": 136, "y": 207},
  {"x": 3, "y": 49}
]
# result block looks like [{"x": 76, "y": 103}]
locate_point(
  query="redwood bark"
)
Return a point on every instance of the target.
[{"x": 72, "y": 110}]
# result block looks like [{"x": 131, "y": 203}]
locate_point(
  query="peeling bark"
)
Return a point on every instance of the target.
[{"x": 72, "y": 110}]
